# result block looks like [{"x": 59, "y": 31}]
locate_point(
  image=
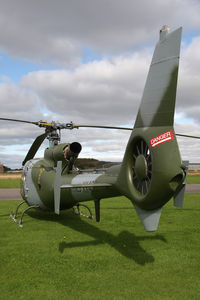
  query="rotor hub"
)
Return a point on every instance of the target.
[
  {"x": 141, "y": 169},
  {"x": 142, "y": 166}
]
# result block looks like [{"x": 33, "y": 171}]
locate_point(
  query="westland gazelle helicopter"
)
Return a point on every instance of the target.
[{"x": 151, "y": 172}]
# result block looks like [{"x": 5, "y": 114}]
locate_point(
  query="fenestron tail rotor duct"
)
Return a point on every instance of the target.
[{"x": 142, "y": 166}]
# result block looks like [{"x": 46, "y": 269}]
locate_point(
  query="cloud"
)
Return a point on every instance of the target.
[
  {"x": 57, "y": 32},
  {"x": 20, "y": 103},
  {"x": 16, "y": 101},
  {"x": 188, "y": 99},
  {"x": 100, "y": 92},
  {"x": 105, "y": 90},
  {"x": 188, "y": 146},
  {"x": 9, "y": 162}
]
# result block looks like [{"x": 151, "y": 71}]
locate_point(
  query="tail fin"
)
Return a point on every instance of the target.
[
  {"x": 152, "y": 171},
  {"x": 159, "y": 96}
]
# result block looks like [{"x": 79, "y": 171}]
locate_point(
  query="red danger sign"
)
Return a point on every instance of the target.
[{"x": 162, "y": 138}]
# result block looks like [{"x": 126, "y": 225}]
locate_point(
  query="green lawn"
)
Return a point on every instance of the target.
[
  {"x": 9, "y": 183},
  {"x": 65, "y": 257},
  {"x": 193, "y": 179}
]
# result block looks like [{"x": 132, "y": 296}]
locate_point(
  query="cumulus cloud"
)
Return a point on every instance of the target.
[
  {"x": 107, "y": 92},
  {"x": 188, "y": 146},
  {"x": 16, "y": 101},
  {"x": 100, "y": 92},
  {"x": 188, "y": 99},
  {"x": 103, "y": 91},
  {"x": 58, "y": 31}
]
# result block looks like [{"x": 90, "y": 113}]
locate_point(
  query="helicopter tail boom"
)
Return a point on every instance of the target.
[{"x": 152, "y": 169}]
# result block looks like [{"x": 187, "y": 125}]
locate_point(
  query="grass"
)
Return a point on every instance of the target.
[
  {"x": 15, "y": 182},
  {"x": 195, "y": 179},
  {"x": 10, "y": 183},
  {"x": 65, "y": 257}
]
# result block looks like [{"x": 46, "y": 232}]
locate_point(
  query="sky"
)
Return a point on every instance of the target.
[{"x": 87, "y": 62}]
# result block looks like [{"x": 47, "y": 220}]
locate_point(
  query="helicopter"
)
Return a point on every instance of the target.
[{"x": 152, "y": 171}]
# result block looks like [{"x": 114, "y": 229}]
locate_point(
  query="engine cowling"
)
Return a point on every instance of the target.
[{"x": 63, "y": 152}]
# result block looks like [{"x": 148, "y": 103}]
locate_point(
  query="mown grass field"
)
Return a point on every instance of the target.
[
  {"x": 195, "y": 179},
  {"x": 67, "y": 257},
  {"x": 9, "y": 183}
]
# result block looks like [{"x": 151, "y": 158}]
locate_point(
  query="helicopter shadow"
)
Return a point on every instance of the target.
[{"x": 126, "y": 243}]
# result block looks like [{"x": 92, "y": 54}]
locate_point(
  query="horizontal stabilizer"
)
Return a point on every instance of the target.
[
  {"x": 149, "y": 218},
  {"x": 71, "y": 186},
  {"x": 179, "y": 196}
]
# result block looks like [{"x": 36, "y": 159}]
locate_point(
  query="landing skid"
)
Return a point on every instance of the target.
[
  {"x": 14, "y": 216},
  {"x": 78, "y": 212}
]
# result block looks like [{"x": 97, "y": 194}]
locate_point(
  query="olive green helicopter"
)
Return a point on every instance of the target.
[{"x": 152, "y": 171}]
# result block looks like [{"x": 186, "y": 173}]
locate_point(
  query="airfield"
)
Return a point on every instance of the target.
[{"x": 69, "y": 257}]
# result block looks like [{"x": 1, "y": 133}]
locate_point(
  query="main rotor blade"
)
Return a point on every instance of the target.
[
  {"x": 72, "y": 126},
  {"x": 16, "y": 120},
  {"x": 99, "y": 126},
  {"x": 34, "y": 147},
  {"x": 188, "y": 136},
  {"x": 125, "y": 128}
]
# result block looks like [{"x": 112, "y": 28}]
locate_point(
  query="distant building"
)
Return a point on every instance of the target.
[
  {"x": 194, "y": 166},
  {"x": 1, "y": 168}
]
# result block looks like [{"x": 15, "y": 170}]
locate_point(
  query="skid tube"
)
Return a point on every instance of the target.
[
  {"x": 78, "y": 212},
  {"x": 14, "y": 216}
]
